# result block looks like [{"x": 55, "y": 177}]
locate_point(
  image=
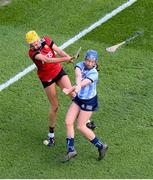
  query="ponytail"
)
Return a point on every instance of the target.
[{"x": 97, "y": 67}]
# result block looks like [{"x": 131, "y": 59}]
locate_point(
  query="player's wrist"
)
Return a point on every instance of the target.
[
  {"x": 77, "y": 88},
  {"x": 78, "y": 84}
]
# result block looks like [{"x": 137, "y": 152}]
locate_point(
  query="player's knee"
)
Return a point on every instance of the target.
[
  {"x": 68, "y": 123},
  {"x": 80, "y": 127}
]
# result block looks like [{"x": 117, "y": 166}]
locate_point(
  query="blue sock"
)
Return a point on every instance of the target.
[
  {"x": 97, "y": 143},
  {"x": 70, "y": 144}
]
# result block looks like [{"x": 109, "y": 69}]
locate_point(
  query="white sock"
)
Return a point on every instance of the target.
[{"x": 51, "y": 135}]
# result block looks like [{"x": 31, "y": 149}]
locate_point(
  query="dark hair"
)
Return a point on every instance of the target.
[{"x": 97, "y": 67}]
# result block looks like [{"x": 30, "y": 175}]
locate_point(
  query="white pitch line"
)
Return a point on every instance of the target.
[{"x": 71, "y": 41}]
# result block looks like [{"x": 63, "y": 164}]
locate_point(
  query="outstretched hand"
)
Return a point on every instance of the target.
[
  {"x": 71, "y": 60},
  {"x": 67, "y": 91},
  {"x": 74, "y": 89},
  {"x": 76, "y": 56}
]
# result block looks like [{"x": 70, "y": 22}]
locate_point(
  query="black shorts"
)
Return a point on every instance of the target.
[
  {"x": 87, "y": 104},
  {"x": 58, "y": 77}
]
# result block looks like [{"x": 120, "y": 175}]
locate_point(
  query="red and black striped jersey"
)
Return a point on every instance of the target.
[{"x": 46, "y": 71}]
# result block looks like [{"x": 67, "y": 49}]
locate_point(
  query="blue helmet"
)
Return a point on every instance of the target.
[{"x": 91, "y": 54}]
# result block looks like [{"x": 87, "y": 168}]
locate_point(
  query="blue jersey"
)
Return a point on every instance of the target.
[{"x": 88, "y": 91}]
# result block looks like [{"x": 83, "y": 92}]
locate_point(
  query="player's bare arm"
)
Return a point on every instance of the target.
[
  {"x": 62, "y": 53},
  {"x": 46, "y": 59},
  {"x": 79, "y": 82},
  {"x": 59, "y": 51}
]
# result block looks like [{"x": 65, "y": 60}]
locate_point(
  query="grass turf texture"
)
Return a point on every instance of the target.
[{"x": 124, "y": 120}]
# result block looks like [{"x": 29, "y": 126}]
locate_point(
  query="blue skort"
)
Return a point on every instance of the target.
[{"x": 87, "y": 104}]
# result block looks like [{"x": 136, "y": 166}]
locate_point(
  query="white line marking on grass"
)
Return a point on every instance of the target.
[
  {"x": 4, "y": 2},
  {"x": 70, "y": 41}
]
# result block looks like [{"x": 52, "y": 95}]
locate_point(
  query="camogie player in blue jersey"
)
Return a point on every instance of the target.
[{"x": 83, "y": 105}]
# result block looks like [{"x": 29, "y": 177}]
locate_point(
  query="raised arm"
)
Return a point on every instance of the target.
[
  {"x": 43, "y": 58},
  {"x": 79, "y": 82},
  {"x": 60, "y": 52},
  {"x": 64, "y": 57}
]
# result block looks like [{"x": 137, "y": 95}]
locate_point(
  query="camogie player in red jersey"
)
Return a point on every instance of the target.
[{"x": 50, "y": 72}]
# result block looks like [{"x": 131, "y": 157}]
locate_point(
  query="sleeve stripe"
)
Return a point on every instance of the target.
[
  {"x": 35, "y": 55},
  {"x": 51, "y": 45},
  {"x": 89, "y": 79},
  {"x": 78, "y": 67}
]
